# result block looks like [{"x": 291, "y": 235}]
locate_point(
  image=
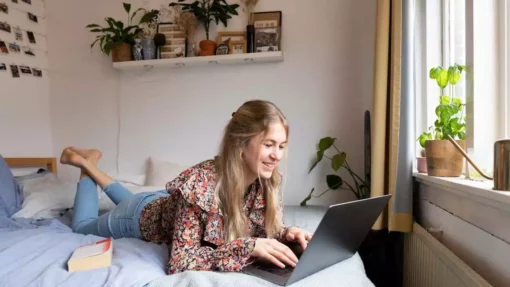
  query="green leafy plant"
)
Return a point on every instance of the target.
[
  {"x": 116, "y": 33},
  {"x": 360, "y": 187},
  {"x": 450, "y": 111},
  {"x": 208, "y": 10}
]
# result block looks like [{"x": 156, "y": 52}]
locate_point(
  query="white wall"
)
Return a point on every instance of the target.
[
  {"x": 323, "y": 87},
  {"x": 25, "y": 127}
]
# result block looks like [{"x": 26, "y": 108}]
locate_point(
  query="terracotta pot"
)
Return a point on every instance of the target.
[
  {"x": 443, "y": 159},
  {"x": 207, "y": 48},
  {"x": 121, "y": 53},
  {"x": 421, "y": 164}
]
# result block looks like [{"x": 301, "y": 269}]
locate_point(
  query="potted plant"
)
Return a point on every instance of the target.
[
  {"x": 116, "y": 38},
  {"x": 359, "y": 187},
  {"x": 206, "y": 11},
  {"x": 442, "y": 157}
]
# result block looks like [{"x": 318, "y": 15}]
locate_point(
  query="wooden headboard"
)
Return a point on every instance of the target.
[{"x": 49, "y": 163}]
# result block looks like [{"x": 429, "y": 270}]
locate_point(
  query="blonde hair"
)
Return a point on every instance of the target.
[{"x": 251, "y": 119}]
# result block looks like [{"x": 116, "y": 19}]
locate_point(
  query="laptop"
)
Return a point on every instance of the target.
[{"x": 337, "y": 238}]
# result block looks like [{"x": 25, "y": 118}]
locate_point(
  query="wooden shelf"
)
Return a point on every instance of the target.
[{"x": 251, "y": 58}]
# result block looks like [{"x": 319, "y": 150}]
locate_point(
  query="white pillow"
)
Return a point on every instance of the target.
[
  {"x": 46, "y": 196},
  {"x": 160, "y": 172}
]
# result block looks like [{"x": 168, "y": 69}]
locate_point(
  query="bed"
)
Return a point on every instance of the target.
[{"x": 36, "y": 242}]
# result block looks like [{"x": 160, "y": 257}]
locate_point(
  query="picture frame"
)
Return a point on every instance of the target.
[
  {"x": 267, "y": 40},
  {"x": 4, "y": 8},
  {"x": 269, "y": 19},
  {"x": 237, "y": 47},
  {"x": 176, "y": 43},
  {"x": 232, "y": 35}
]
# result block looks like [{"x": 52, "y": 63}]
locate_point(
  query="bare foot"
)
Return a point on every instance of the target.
[
  {"x": 72, "y": 158},
  {"x": 91, "y": 155}
]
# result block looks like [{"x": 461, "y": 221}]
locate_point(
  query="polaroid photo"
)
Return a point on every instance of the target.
[
  {"x": 18, "y": 34},
  {"x": 28, "y": 51},
  {"x": 4, "y": 8},
  {"x": 29, "y": 2},
  {"x": 31, "y": 37},
  {"x": 32, "y": 17},
  {"x": 5, "y": 27},
  {"x": 14, "y": 71},
  {"x": 3, "y": 48},
  {"x": 25, "y": 70},
  {"x": 15, "y": 1},
  {"x": 3, "y": 67},
  {"x": 13, "y": 47},
  {"x": 37, "y": 72}
]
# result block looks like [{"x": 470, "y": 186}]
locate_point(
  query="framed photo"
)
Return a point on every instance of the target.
[
  {"x": 267, "y": 40},
  {"x": 29, "y": 2},
  {"x": 15, "y": 71},
  {"x": 175, "y": 45},
  {"x": 36, "y": 72},
  {"x": 237, "y": 47},
  {"x": 233, "y": 36},
  {"x": 3, "y": 68},
  {"x": 3, "y": 48},
  {"x": 13, "y": 47},
  {"x": 31, "y": 37},
  {"x": 32, "y": 17},
  {"x": 25, "y": 70},
  {"x": 271, "y": 19}
]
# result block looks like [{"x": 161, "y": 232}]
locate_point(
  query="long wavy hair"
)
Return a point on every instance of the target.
[{"x": 251, "y": 119}]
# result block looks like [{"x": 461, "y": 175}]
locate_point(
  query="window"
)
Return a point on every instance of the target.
[{"x": 474, "y": 34}]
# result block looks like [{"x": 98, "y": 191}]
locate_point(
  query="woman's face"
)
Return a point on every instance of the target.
[{"x": 264, "y": 152}]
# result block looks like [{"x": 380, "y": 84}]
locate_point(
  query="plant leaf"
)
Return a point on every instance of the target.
[
  {"x": 326, "y": 143},
  {"x": 457, "y": 101},
  {"x": 445, "y": 100},
  {"x": 320, "y": 154},
  {"x": 442, "y": 79},
  {"x": 303, "y": 203},
  {"x": 338, "y": 160},
  {"x": 434, "y": 72},
  {"x": 92, "y": 26},
  {"x": 334, "y": 181},
  {"x": 127, "y": 7}
]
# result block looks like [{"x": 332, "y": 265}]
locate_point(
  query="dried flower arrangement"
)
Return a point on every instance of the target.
[{"x": 250, "y": 7}]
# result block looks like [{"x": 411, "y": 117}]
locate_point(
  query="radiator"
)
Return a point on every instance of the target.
[{"x": 428, "y": 263}]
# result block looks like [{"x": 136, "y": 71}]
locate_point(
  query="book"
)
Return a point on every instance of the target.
[{"x": 92, "y": 256}]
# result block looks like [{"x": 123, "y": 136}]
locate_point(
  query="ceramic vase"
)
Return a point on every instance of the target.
[
  {"x": 149, "y": 48},
  {"x": 137, "y": 50}
]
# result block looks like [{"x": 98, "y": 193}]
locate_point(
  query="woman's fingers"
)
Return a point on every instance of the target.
[
  {"x": 308, "y": 236},
  {"x": 286, "y": 251},
  {"x": 282, "y": 257},
  {"x": 301, "y": 239},
  {"x": 273, "y": 259}
]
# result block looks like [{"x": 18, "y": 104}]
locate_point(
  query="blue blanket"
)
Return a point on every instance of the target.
[{"x": 35, "y": 253}]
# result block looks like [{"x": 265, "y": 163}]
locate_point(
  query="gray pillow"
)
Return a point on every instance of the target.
[{"x": 10, "y": 196}]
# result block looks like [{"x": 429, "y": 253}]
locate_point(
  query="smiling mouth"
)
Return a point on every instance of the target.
[{"x": 270, "y": 165}]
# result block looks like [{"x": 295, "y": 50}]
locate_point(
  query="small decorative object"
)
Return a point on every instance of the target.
[
  {"x": 137, "y": 50},
  {"x": 175, "y": 41},
  {"x": 3, "y": 68},
  {"x": 271, "y": 19},
  {"x": 443, "y": 159},
  {"x": 25, "y": 70},
  {"x": 231, "y": 36},
  {"x": 3, "y": 48},
  {"x": 207, "y": 11},
  {"x": 237, "y": 47},
  {"x": 191, "y": 50},
  {"x": 118, "y": 38},
  {"x": 18, "y": 34},
  {"x": 360, "y": 188},
  {"x": 14, "y": 71},
  {"x": 13, "y": 47},
  {"x": 36, "y": 72},
  {"x": 32, "y": 17},
  {"x": 4, "y": 8},
  {"x": 159, "y": 40},
  {"x": 149, "y": 48},
  {"x": 5, "y": 27},
  {"x": 421, "y": 162},
  {"x": 267, "y": 40},
  {"x": 31, "y": 37},
  {"x": 29, "y": 2},
  {"x": 222, "y": 49}
]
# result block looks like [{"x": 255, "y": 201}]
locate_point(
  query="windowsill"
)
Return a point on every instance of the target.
[{"x": 478, "y": 190}]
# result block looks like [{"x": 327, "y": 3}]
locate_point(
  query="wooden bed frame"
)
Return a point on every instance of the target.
[{"x": 49, "y": 163}]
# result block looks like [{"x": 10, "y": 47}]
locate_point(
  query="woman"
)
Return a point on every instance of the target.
[{"x": 220, "y": 214}]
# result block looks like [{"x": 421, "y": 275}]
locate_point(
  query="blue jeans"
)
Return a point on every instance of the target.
[{"x": 120, "y": 222}]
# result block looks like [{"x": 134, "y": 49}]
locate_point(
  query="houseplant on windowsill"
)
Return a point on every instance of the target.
[
  {"x": 442, "y": 157},
  {"x": 116, "y": 38},
  {"x": 359, "y": 187},
  {"x": 206, "y": 11}
]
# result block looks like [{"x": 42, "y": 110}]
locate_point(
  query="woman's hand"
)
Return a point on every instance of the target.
[
  {"x": 275, "y": 252},
  {"x": 298, "y": 234}
]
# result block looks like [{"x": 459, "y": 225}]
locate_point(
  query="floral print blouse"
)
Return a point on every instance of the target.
[{"x": 190, "y": 221}]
